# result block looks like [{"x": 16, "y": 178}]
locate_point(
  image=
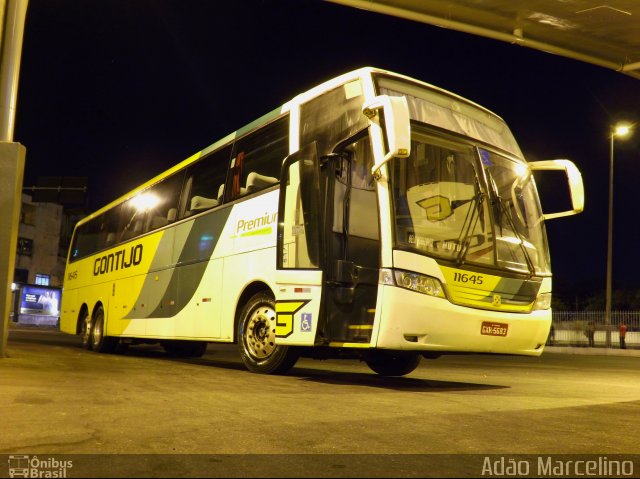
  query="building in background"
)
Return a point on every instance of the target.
[
  {"x": 39, "y": 260},
  {"x": 44, "y": 236}
]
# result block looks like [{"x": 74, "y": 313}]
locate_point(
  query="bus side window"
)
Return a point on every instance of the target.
[
  {"x": 257, "y": 159},
  {"x": 150, "y": 209},
  {"x": 205, "y": 180},
  {"x": 87, "y": 238},
  {"x": 111, "y": 223},
  {"x": 167, "y": 193}
]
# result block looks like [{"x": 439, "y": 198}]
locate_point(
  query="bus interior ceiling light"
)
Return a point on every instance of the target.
[{"x": 145, "y": 201}]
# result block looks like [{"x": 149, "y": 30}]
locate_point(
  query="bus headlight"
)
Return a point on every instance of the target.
[
  {"x": 420, "y": 283},
  {"x": 543, "y": 301}
]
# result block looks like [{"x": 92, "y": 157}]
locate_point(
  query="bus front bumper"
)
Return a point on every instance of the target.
[{"x": 418, "y": 322}]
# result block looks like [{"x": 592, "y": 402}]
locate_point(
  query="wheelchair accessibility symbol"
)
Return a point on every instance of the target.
[{"x": 306, "y": 323}]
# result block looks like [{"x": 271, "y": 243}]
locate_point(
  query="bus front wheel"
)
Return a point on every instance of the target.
[
  {"x": 392, "y": 363},
  {"x": 257, "y": 338}
]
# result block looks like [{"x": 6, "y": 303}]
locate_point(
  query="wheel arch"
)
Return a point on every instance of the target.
[
  {"x": 249, "y": 290},
  {"x": 95, "y": 309}
]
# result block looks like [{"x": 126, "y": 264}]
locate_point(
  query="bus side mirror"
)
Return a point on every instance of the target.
[
  {"x": 391, "y": 115},
  {"x": 574, "y": 178}
]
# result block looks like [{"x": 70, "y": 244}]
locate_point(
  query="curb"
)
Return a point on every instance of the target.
[{"x": 592, "y": 351}]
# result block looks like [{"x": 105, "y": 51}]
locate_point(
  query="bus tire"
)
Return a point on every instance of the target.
[
  {"x": 99, "y": 341},
  {"x": 393, "y": 363},
  {"x": 85, "y": 329},
  {"x": 257, "y": 335}
]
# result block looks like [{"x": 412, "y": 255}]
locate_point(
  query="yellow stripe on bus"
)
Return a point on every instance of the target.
[{"x": 349, "y": 345}]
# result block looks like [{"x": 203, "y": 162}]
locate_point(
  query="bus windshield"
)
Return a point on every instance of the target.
[{"x": 459, "y": 202}]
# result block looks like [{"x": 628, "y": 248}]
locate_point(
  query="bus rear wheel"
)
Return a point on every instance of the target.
[
  {"x": 393, "y": 363},
  {"x": 99, "y": 341},
  {"x": 85, "y": 329},
  {"x": 257, "y": 338}
]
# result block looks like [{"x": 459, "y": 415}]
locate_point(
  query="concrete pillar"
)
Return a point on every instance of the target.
[{"x": 12, "y": 156}]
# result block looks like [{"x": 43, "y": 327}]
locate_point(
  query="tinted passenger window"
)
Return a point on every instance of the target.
[
  {"x": 204, "y": 186},
  {"x": 257, "y": 159},
  {"x": 99, "y": 233},
  {"x": 153, "y": 208},
  {"x": 150, "y": 209}
]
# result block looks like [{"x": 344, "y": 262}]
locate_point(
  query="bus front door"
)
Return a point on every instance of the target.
[
  {"x": 352, "y": 246},
  {"x": 328, "y": 248},
  {"x": 299, "y": 274}
]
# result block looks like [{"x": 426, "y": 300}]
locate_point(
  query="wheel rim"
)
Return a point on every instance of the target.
[
  {"x": 260, "y": 333},
  {"x": 86, "y": 330},
  {"x": 96, "y": 334}
]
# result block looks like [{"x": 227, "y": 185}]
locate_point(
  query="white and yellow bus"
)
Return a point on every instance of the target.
[{"x": 373, "y": 217}]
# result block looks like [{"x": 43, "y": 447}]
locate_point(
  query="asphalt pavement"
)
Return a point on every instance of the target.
[{"x": 144, "y": 414}]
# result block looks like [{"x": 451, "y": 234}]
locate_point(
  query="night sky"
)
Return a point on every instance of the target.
[{"x": 120, "y": 90}]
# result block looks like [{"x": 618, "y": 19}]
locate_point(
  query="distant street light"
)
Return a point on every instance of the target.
[{"x": 621, "y": 130}]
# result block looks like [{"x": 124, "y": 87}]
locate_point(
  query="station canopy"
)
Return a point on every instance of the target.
[{"x": 602, "y": 32}]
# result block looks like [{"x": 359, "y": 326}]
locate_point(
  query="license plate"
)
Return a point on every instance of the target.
[{"x": 494, "y": 329}]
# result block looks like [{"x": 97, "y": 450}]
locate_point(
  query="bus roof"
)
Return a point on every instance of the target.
[{"x": 360, "y": 73}]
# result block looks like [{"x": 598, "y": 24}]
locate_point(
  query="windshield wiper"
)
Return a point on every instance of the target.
[
  {"x": 503, "y": 211},
  {"x": 476, "y": 209}
]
